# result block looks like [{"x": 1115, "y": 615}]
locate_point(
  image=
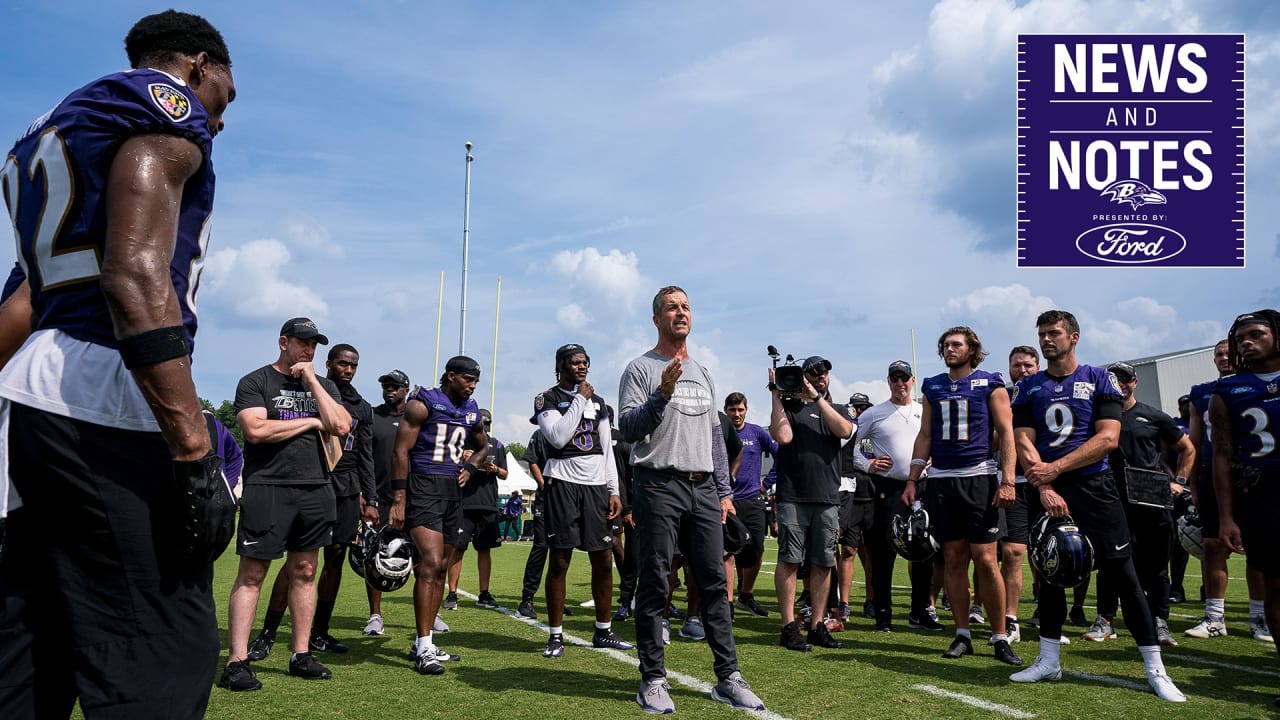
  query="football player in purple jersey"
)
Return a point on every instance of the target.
[
  {"x": 1066, "y": 420},
  {"x": 110, "y": 193},
  {"x": 963, "y": 408},
  {"x": 1243, "y": 416},
  {"x": 428, "y": 472}
]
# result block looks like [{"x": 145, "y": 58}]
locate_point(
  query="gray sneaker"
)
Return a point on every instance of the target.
[
  {"x": 691, "y": 629},
  {"x": 654, "y": 697},
  {"x": 1162, "y": 633},
  {"x": 735, "y": 691},
  {"x": 375, "y": 625},
  {"x": 666, "y": 632},
  {"x": 1100, "y": 630}
]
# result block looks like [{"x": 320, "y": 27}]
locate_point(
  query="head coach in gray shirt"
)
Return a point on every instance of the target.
[{"x": 681, "y": 477}]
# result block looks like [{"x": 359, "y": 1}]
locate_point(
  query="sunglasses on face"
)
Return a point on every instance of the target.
[
  {"x": 815, "y": 373},
  {"x": 899, "y": 378}
]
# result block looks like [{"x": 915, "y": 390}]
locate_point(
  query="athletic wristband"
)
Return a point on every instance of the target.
[
  {"x": 399, "y": 484},
  {"x": 472, "y": 469},
  {"x": 154, "y": 346}
]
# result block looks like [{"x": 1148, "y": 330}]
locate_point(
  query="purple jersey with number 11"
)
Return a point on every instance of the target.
[
  {"x": 1062, "y": 409},
  {"x": 961, "y": 422},
  {"x": 55, "y": 182},
  {"x": 443, "y": 437}
]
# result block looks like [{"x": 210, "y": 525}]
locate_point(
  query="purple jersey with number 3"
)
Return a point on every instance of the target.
[
  {"x": 961, "y": 422},
  {"x": 57, "y": 175},
  {"x": 1253, "y": 404},
  {"x": 443, "y": 437},
  {"x": 1062, "y": 409}
]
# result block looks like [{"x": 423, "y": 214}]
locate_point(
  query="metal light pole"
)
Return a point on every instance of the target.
[{"x": 466, "y": 243}]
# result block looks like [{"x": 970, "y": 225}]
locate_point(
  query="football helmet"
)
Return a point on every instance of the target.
[
  {"x": 355, "y": 551},
  {"x": 911, "y": 536},
  {"x": 388, "y": 558},
  {"x": 1060, "y": 552},
  {"x": 1190, "y": 533}
]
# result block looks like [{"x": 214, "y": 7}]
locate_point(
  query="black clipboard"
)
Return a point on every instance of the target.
[{"x": 1148, "y": 488}]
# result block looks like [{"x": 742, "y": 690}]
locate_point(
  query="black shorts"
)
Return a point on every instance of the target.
[
  {"x": 576, "y": 515},
  {"x": 1207, "y": 505},
  {"x": 751, "y": 511},
  {"x": 960, "y": 508},
  {"x": 347, "y": 524},
  {"x": 430, "y": 503},
  {"x": 1015, "y": 520},
  {"x": 1258, "y": 515},
  {"x": 857, "y": 517},
  {"x": 279, "y": 518},
  {"x": 479, "y": 529},
  {"x": 1094, "y": 503}
]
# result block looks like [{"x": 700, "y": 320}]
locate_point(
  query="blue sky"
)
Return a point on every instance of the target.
[{"x": 823, "y": 177}]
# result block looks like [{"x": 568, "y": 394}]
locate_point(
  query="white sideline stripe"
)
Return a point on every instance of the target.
[
  {"x": 975, "y": 702},
  {"x": 686, "y": 680},
  {"x": 1218, "y": 663},
  {"x": 1108, "y": 680}
]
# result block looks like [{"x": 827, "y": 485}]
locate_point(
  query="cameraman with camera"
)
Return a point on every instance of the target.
[{"x": 810, "y": 431}]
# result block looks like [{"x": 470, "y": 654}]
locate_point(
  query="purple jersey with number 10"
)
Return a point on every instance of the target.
[
  {"x": 961, "y": 422},
  {"x": 443, "y": 437},
  {"x": 1062, "y": 409},
  {"x": 55, "y": 183}
]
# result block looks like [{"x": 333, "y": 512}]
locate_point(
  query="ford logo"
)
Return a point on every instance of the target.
[{"x": 1131, "y": 243}]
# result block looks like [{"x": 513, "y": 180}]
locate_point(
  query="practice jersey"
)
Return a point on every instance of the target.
[
  {"x": 756, "y": 442},
  {"x": 1253, "y": 404},
  {"x": 961, "y": 421},
  {"x": 55, "y": 183},
  {"x": 1062, "y": 410},
  {"x": 1200, "y": 395},
  {"x": 443, "y": 437},
  {"x": 585, "y": 439}
]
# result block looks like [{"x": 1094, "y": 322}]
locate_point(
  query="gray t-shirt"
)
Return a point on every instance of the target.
[{"x": 678, "y": 434}]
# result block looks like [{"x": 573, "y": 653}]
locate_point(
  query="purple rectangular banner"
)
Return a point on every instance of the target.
[{"x": 1130, "y": 150}]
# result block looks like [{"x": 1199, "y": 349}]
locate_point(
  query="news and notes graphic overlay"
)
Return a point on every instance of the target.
[{"x": 1131, "y": 150}]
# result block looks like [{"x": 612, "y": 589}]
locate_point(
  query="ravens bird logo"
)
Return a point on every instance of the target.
[{"x": 1134, "y": 192}]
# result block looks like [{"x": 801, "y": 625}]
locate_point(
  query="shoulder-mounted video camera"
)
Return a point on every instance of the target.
[{"x": 788, "y": 378}]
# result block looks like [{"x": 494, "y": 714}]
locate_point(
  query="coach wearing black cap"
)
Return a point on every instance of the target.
[
  {"x": 286, "y": 411},
  {"x": 809, "y": 431}
]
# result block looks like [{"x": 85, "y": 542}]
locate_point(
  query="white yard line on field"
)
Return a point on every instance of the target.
[
  {"x": 688, "y": 681},
  {"x": 975, "y": 702},
  {"x": 1179, "y": 657}
]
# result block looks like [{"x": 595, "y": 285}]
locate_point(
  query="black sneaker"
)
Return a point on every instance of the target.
[
  {"x": 820, "y": 636},
  {"x": 1005, "y": 654},
  {"x": 610, "y": 639},
  {"x": 673, "y": 612},
  {"x": 239, "y": 677},
  {"x": 526, "y": 610},
  {"x": 427, "y": 663},
  {"x": 869, "y": 610},
  {"x": 555, "y": 647},
  {"x": 803, "y": 600},
  {"x": 260, "y": 648},
  {"x": 1076, "y": 617},
  {"x": 944, "y": 602},
  {"x": 486, "y": 601},
  {"x": 792, "y": 640},
  {"x": 450, "y": 602},
  {"x": 960, "y": 647},
  {"x": 748, "y": 602},
  {"x": 568, "y": 611},
  {"x": 1177, "y": 596},
  {"x": 304, "y": 666},
  {"x": 924, "y": 621},
  {"x": 882, "y": 626},
  {"x": 326, "y": 643},
  {"x": 623, "y": 613}
]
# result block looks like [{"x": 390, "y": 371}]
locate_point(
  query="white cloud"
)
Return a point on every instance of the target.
[
  {"x": 572, "y": 317},
  {"x": 251, "y": 279},
  {"x": 313, "y": 238},
  {"x": 613, "y": 278},
  {"x": 755, "y": 67}
]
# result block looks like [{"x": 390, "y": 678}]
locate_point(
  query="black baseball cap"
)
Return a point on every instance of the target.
[
  {"x": 462, "y": 364},
  {"x": 817, "y": 363},
  {"x": 395, "y": 377},
  {"x": 901, "y": 367},
  {"x": 1184, "y": 399},
  {"x": 859, "y": 400},
  {"x": 1123, "y": 370},
  {"x": 570, "y": 350},
  {"x": 303, "y": 329}
]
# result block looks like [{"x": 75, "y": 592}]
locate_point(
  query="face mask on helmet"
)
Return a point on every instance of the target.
[
  {"x": 388, "y": 559},
  {"x": 911, "y": 536},
  {"x": 355, "y": 551},
  {"x": 1191, "y": 534},
  {"x": 1060, "y": 552}
]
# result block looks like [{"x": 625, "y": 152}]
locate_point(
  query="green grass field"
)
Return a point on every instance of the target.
[{"x": 898, "y": 675}]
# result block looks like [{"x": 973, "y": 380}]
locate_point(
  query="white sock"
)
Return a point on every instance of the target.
[
  {"x": 557, "y": 630},
  {"x": 964, "y": 633},
  {"x": 423, "y": 643},
  {"x": 1050, "y": 651},
  {"x": 1257, "y": 608},
  {"x": 1215, "y": 607},
  {"x": 1151, "y": 659},
  {"x": 606, "y": 625}
]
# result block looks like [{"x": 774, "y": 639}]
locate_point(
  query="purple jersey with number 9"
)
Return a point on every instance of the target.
[
  {"x": 54, "y": 182},
  {"x": 443, "y": 437},
  {"x": 1062, "y": 409}
]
